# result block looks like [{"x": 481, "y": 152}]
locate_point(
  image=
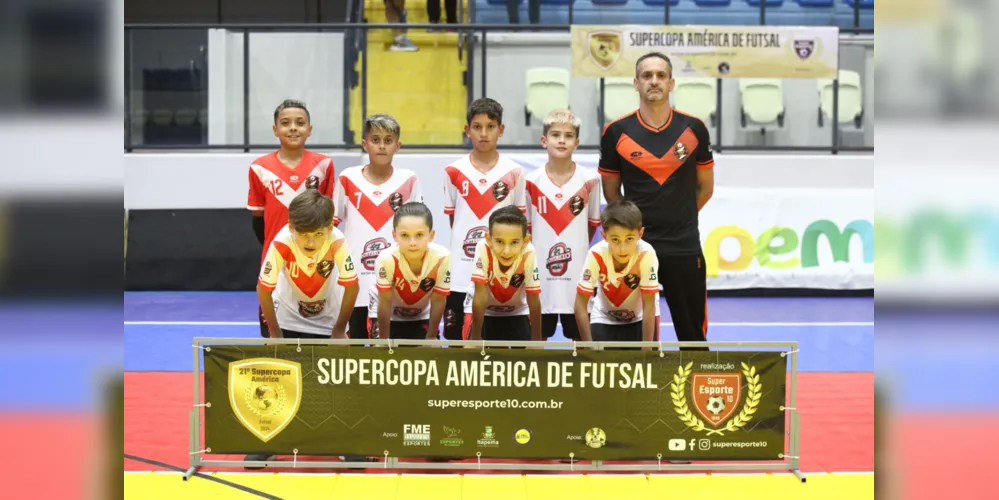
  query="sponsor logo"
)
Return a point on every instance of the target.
[
  {"x": 596, "y": 438},
  {"x": 472, "y": 238},
  {"x": 415, "y": 435},
  {"x": 452, "y": 437},
  {"x": 311, "y": 309},
  {"x": 804, "y": 48},
  {"x": 488, "y": 439},
  {"x": 558, "y": 260},
  {"x": 370, "y": 251},
  {"x": 522, "y": 436}
]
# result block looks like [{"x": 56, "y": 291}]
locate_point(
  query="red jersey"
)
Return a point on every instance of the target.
[{"x": 273, "y": 185}]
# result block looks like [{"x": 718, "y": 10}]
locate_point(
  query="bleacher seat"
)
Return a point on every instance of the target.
[
  {"x": 697, "y": 97},
  {"x": 851, "y": 101},
  {"x": 547, "y": 90},
  {"x": 762, "y": 102},
  {"x": 620, "y": 97}
]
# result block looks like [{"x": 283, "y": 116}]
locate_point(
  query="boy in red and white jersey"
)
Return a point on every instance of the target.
[
  {"x": 474, "y": 187},
  {"x": 301, "y": 262},
  {"x": 276, "y": 178},
  {"x": 563, "y": 213},
  {"x": 624, "y": 268},
  {"x": 366, "y": 199},
  {"x": 414, "y": 279},
  {"x": 506, "y": 303}
]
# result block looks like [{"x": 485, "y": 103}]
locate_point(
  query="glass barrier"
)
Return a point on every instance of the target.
[{"x": 216, "y": 87}]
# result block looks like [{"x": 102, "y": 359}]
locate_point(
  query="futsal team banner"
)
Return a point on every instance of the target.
[
  {"x": 508, "y": 403},
  {"x": 708, "y": 51}
]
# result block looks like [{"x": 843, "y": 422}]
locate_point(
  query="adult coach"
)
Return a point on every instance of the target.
[{"x": 662, "y": 158}]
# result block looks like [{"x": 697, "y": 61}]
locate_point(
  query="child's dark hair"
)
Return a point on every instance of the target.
[
  {"x": 291, "y": 103},
  {"x": 621, "y": 213},
  {"x": 413, "y": 209},
  {"x": 310, "y": 211},
  {"x": 485, "y": 106},
  {"x": 510, "y": 215}
]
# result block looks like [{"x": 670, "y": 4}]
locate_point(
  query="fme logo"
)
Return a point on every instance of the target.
[{"x": 820, "y": 243}]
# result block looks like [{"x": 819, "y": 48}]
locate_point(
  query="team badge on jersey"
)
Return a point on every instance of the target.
[
  {"x": 558, "y": 259},
  {"x": 325, "y": 268},
  {"x": 517, "y": 280},
  {"x": 631, "y": 281},
  {"x": 427, "y": 284},
  {"x": 370, "y": 251},
  {"x": 680, "y": 151},
  {"x": 471, "y": 239},
  {"x": 395, "y": 200},
  {"x": 500, "y": 190},
  {"x": 576, "y": 205},
  {"x": 312, "y": 182}
]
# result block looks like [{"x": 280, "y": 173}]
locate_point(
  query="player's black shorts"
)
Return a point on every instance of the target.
[
  {"x": 569, "y": 327},
  {"x": 409, "y": 330},
  {"x": 357, "y": 327},
  {"x": 506, "y": 328},
  {"x": 630, "y": 332},
  {"x": 454, "y": 316},
  {"x": 292, "y": 334}
]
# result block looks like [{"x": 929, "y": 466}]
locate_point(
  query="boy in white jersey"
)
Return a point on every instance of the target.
[
  {"x": 563, "y": 213},
  {"x": 474, "y": 187},
  {"x": 366, "y": 199},
  {"x": 506, "y": 302},
  {"x": 306, "y": 255},
  {"x": 414, "y": 279},
  {"x": 624, "y": 268}
]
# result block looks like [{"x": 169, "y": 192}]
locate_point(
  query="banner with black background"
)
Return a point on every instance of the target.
[{"x": 511, "y": 403}]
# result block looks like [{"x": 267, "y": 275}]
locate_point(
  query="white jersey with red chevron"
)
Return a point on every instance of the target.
[
  {"x": 364, "y": 213},
  {"x": 560, "y": 218},
  {"x": 471, "y": 196},
  {"x": 619, "y": 299},
  {"x": 508, "y": 290},
  {"x": 411, "y": 291},
  {"x": 302, "y": 294}
]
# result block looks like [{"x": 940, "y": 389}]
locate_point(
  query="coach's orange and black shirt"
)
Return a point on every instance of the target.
[{"x": 658, "y": 170}]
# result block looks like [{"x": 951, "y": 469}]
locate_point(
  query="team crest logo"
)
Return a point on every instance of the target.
[
  {"x": 370, "y": 251},
  {"x": 804, "y": 48},
  {"x": 325, "y": 268},
  {"x": 471, "y": 239},
  {"x": 558, "y": 259},
  {"x": 312, "y": 182},
  {"x": 680, "y": 151},
  {"x": 576, "y": 205},
  {"x": 500, "y": 190},
  {"x": 427, "y": 284},
  {"x": 716, "y": 398},
  {"x": 311, "y": 309},
  {"x": 517, "y": 280},
  {"x": 395, "y": 201},
  {"x": 605, "y": 48},
  {"x": 631, "y": 281},
  {"x": 265, "y": 394}
]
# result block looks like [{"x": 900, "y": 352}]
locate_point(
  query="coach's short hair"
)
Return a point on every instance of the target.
[
  {"x": 622, "y": 213},
  {"x": 561, "y": 116},
  {"x": 381, "y": 122},
  {"x": 310, "y": 211},
  {"x": 650, "y": 55},
  {"x": 291, "y": 103},
  {"x": 414, "y": 209},
  {"x": 509, "y": 215},
  {"x": 485, "y": 106}
]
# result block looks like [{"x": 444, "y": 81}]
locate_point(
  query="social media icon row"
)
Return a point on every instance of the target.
[{"x": 694, "y": 444}]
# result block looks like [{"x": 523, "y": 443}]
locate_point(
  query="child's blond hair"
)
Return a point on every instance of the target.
[{"x": 561, "y": 116}]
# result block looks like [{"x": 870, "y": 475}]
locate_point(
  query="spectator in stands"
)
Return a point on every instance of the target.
[
  {"x": 395, "y": 12},
  {"x": 533, "y": 11},
  {"x": 434, "y": 11}
]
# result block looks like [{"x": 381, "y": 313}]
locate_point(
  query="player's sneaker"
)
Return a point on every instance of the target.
[{"x": 403, "y": 44}]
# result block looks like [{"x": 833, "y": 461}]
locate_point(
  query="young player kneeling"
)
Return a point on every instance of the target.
[
  {"x": 624, "y": 268},
  {"x": 413, "y": 279}
]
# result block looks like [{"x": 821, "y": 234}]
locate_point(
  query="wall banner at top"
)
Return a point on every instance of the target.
[{"x": 708, "y": 51}]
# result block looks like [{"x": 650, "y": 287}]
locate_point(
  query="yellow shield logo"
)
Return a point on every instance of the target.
[
  {"x": 265, "y": 394},
  {"x": 605, "y": 48}
]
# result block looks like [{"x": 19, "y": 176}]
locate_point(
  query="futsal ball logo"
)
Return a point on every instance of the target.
[
  {"x": 576, "y": 205},
  {"x": 472, "y": 238},
  {"x": 370, "y": 252},
  {"x": 558, "y": 260},
  {"x": 395, "y": 201},
  {"x": 500, "y": 190},
  {"x": 714, "y": 398}
]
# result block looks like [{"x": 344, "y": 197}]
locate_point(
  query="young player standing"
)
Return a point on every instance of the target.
[
  {"x": 276, "y": 178},
  {"x": 563, "y": 212},
  {"x": 366, "y": 199},
  {"x": 624, "y": 268},
  {"x": 309, "y": 252},
  {"x": 506, "y": 303},
  {"x": 414, "y": 279},
  {"x": 474, "y": 187}
]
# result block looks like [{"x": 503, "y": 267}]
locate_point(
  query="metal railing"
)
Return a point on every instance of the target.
[{"x": 472, "y": 45}]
